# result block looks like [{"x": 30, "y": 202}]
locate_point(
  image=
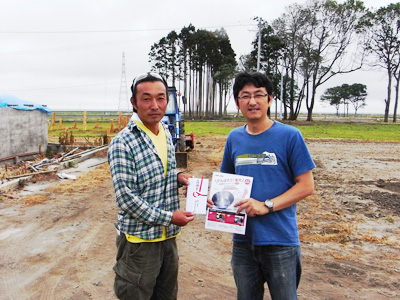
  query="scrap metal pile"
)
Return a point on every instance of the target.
[{"x": 27, "y": 169}]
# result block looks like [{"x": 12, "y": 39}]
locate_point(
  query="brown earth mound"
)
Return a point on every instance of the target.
[{"x": 58, "y": 242}]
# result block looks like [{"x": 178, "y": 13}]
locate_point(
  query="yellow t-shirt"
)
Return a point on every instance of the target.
[{"x": 160, "y": 143}]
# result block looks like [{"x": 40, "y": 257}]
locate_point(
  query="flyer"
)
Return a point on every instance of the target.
[
  {"x": 197, "y": 192},
  {"x": 226, "y": 190}
]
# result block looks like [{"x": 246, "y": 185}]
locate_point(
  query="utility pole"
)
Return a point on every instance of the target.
[
  {"x": 281, "y": 92},
  {"x": 123, "y": 94},
  {"x": 259, "y": 44}
]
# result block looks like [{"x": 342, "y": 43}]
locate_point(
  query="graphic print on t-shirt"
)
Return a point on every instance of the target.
[{"x": 264, "y": 158}]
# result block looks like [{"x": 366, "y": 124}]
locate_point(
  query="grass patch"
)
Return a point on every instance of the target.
[
  {"x": 374, "y": 131},
  {"x": 210, "y": 128},
  {"x": 356, "y": 131},
  {"x": 327, "y": 130}
]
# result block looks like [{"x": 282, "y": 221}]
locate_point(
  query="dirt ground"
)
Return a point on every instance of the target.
[{"x": 57, "y": 236}]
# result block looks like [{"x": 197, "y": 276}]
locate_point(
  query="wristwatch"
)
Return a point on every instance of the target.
[{"x": 268, "y": 203}]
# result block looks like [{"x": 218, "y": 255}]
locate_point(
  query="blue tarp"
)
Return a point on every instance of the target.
[{"x": 16, "y": 103}]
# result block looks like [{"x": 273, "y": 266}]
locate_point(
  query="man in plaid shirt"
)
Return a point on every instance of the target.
[{"x": 145, "y": 179}]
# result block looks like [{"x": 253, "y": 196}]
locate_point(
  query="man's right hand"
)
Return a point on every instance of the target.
[{"x": 181, "y": 218}]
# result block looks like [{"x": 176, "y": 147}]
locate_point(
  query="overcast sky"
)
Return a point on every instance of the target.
[{"x": 68, "y": 54}]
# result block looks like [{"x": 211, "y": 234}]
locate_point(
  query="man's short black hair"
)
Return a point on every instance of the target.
[{"x": 255, "y": 78}]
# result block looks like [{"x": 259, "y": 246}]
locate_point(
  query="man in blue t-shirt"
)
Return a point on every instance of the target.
[{"x": 276, "y": 156}]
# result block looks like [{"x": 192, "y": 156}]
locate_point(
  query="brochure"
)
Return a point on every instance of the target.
[
  {"x": 197, "y": 192},
  {"x": 226, "y": 190}
]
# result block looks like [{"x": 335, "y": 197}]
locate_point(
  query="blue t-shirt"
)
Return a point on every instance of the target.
[{"x": 274, "y": 158}]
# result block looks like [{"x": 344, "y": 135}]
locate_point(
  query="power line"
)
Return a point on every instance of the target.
[
  {"x": 79, "y": 31},
  {"x": 92, "y": 45},
  {"x": 60, "y": 87},
  {"x": 112, "y": 31},
  {"x": 75, "y": 47}
]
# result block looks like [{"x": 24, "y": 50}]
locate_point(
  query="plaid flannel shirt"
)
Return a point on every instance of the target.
[{"x": 146, "y": 197}]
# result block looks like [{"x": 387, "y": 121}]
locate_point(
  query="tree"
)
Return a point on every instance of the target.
[
  {"x": 203, "y": 60},
  {"x": 291, "y": 28},
  {"x": 224, "y": 69},
  {"x": 271, "y": 50},
  {"x": 345, "y": 94},
  {"x": 357, "y": 94},
  {"x": 332, "y": 32},
  {"x": 382, "y": 29},
  {"x": 333, "y": 96},
  {"x": 186, "y": 50},
  {"x": 166, "y": 56},
  {"x": 321, "y": 41}
]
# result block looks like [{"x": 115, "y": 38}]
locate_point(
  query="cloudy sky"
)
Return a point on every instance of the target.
[{"x": 67, "y": 54}]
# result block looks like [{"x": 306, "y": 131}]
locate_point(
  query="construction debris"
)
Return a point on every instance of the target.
[
  {"x": 66, "y": 176},
  {"x": 11, "y": 174},
  {"x": 29, "y": 174}
]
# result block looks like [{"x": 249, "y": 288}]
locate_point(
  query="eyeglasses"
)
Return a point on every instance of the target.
[
  {"x": 256, "y": 97},
  {"x": 144, "y": 76}
]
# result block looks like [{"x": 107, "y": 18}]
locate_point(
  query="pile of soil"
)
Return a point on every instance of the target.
[{"x": 59, "y": 241}]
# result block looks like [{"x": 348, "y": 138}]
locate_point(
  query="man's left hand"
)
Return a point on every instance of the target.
[
  {"x": 181, "y": 218},
  {"x": 183, "y": 179}
]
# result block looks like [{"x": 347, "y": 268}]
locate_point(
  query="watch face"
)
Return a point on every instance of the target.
[{"x": 269, "y": 203}]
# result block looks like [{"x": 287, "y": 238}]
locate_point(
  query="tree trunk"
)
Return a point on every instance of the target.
[
  {"x": 310, "y": 106},
  {"x": 190, "y": 100},
  {"x": 389, "y": 92},
  {"x": 309, "y": 115},
  {"x": 185, "y": 94},
  {"x": 396, "y": 99},
  {"x": 221, "y": 92},
  {"x": 200, "y": 92}
]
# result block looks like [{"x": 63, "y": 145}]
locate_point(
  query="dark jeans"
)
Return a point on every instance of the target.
[
  {"x": 146, "y": 271},
  {"x": 279, "y": 266}
]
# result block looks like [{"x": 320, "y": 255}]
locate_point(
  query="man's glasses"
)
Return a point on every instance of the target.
[
  {"x": 144, "y": 76},
  {"x": 256, "y": 97}
]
